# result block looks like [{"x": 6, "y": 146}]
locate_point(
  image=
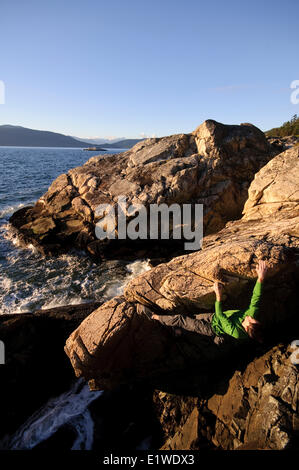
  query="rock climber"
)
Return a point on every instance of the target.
[{"x": 240, "y": 324}]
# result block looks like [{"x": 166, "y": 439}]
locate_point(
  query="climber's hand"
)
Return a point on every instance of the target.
[
  {"x": 218, "y": 289},
  {"x": 248, "y": 321},
  {"x": 261, "y": 270}
]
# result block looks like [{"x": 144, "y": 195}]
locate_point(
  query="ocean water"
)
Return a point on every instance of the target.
[{"x": 29, "y": 281}]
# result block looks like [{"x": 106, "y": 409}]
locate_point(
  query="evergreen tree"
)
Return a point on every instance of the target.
[{"x": 290, "y": 127}]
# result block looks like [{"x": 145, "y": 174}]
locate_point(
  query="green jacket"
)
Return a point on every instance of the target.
[{"x": 230, "y": 321}]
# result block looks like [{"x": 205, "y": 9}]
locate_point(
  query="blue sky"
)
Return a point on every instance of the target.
[{"x": 114, "y": 68}]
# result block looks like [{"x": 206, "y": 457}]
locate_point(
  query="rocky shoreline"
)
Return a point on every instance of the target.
[
  {"x": 239, "y": 396},
  {"x": 214, "y": 166}
]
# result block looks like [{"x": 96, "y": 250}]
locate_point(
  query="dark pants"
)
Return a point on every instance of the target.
[{"x": 198, "y": 323}]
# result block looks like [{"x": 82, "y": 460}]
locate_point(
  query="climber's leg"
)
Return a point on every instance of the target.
[{"x": 197, "y": 325}]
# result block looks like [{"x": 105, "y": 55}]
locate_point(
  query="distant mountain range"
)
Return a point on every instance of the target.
[
  {"x": 113, "y": 143},
  {"x": 19, "y": 136},
  {"x": 122, "y": 144},
  {"x": 98, "y": 140},
  {"x": 23, "y": 137}
]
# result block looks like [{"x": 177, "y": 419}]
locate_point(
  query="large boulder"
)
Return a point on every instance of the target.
[
  {"x": 214, "y": 165},
  {"x": 117, "y": 343},
  {"x": 274, "y": 189},
  {"x": 268, "y": 230}
]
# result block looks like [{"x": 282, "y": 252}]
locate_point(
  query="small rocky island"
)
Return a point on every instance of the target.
[
  {"x": 186, "y": 396},
  {"x": 95, "y": 149}
]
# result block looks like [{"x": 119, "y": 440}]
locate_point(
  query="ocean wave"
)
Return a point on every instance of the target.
[
  {"x": 29, "y": 282},
  {"x": 134, "y": 268},
  {"x": 6, "y": 212}
]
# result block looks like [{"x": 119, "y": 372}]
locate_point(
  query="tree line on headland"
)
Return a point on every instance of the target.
[{"x": 290, "y": 127}]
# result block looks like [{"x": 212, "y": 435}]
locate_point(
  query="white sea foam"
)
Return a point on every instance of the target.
[
  {"x": 134, "y": 268},
  {"x": 138, "y": 267},
  {"x": 5, "y": 284},
  {"x": 69, "y": 408},
  {"x": 72, "y": 406},
  {"x": 9, "y": 210},
  {"x": 29, "y": 281},
  {"x": 53, "y": 284}
]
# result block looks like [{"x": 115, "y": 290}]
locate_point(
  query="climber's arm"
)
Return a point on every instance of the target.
[
  {"x": 253, "y": 309},
  {"x": 227, "y": 325}
]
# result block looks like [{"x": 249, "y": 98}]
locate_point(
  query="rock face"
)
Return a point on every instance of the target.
[
  {"x": 214, "y": 165},
  {"x": 260, "y": 406},
  {"x": 256, "y": 409},
  {"x": 269, "y": 229},
  {"x": 229, "y": 395},
  {"x": 275, "y": 189},
  {"x": 283, "y": 143},
  {"x": 117, "y": 343}
]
